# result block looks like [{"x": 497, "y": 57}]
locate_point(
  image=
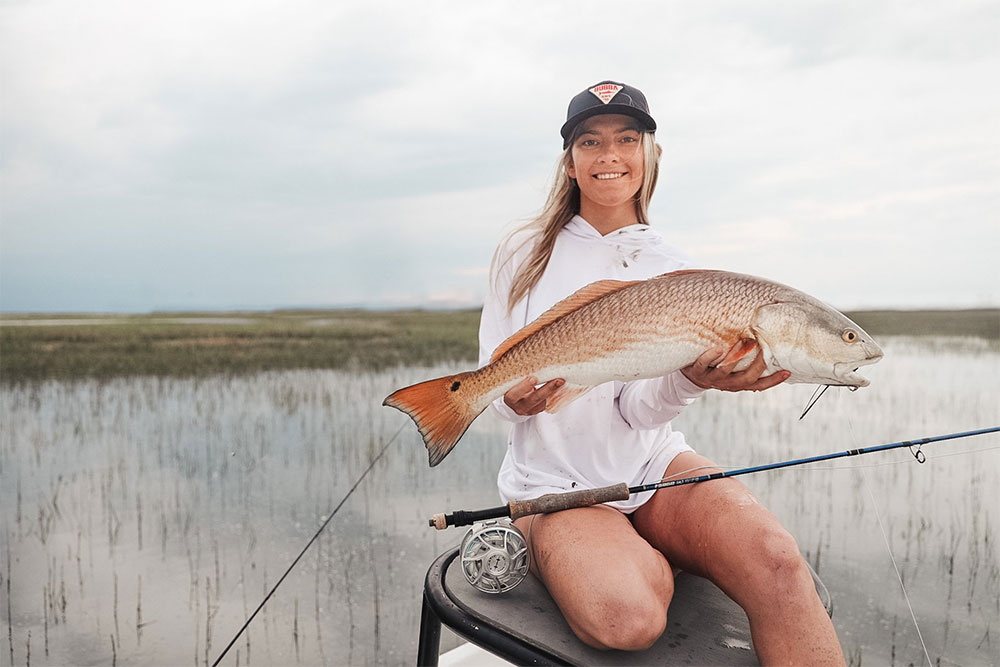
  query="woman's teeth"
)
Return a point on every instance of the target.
[{"x": 607, "y": 177}]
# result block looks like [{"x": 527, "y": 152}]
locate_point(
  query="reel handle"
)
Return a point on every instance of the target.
[
  {"x": 555, "y": 502},
  {"x": 550, "y": 502}
]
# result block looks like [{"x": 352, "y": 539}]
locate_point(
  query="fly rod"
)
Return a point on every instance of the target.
[{"x": 554, "y": 502}]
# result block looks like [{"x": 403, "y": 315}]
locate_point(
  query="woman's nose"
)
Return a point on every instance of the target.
[{"x": 609, "y": 153}]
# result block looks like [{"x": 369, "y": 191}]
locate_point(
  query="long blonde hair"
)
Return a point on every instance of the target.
[{"x": 561, "y": 205}]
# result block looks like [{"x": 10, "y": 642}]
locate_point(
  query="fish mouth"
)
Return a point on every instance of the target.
[{"x": 845, "y": 371}]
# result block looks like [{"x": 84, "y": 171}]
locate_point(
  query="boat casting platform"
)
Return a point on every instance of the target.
[{"x": 524, "y": 626}]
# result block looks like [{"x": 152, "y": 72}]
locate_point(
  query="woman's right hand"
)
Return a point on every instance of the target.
[{"x": 526, "y": 400}]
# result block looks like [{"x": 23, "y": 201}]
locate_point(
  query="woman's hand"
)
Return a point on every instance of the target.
[
  {"x": 524, "y": 399},
  {"x": 706, "y": 374}
]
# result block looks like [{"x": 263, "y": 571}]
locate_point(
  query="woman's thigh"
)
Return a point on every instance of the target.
[
  {"x": 611, "y": 585},
  {"x": 719, "y": 530},
  {"x": 716, "y": 529}
]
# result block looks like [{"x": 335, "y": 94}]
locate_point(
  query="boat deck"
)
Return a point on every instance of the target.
[{"x": 524, "y": 626}]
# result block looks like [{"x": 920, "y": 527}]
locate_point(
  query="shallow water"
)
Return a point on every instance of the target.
[{"x": 144, "y": 519}]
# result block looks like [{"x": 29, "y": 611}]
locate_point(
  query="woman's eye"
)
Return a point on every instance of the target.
[
  {"x": 588, "y": 142},
  {"x": 630, "y": 140}
]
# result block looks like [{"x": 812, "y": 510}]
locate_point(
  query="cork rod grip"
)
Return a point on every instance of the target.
[{"x": 554, "y": 502}]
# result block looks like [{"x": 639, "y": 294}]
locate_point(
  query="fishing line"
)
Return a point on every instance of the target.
[
  {"x": 684, "y": 472},
  {"x": 885, "y": 538},
  {"x": 309, "y": 543}
]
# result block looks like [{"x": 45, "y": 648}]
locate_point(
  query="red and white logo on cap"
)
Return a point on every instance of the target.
[{"x": 605, "y": 92}]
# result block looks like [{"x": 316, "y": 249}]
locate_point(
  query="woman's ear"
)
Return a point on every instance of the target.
[{"x": 570, "y": 169}]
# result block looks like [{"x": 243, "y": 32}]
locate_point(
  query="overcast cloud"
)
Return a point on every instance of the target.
[{"x": 224, "y": 154}]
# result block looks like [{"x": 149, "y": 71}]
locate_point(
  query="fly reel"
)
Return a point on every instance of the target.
[{"x": 494, "y": 556}]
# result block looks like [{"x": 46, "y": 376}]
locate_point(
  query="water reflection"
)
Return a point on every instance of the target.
[{"x": 145, "y": 519}]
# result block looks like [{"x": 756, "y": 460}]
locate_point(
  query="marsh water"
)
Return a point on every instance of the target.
[{"x": 144, "y": 519}]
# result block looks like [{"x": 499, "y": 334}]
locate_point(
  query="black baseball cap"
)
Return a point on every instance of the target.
[{"x": 607, "y": 97}]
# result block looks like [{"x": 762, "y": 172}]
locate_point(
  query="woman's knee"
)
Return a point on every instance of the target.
[
  {"x": 778, "y": 568},
  {"x": 626, "y": 624}
]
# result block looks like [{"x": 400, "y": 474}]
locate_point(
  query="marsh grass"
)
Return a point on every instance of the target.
[
  {"x": 173, "y": 504},
  {"x": 233, "y": 473},
  {"x": 66, "y": 347},
  {"x": 202, "y": 344},
  {"x": 978, "y": 323}
]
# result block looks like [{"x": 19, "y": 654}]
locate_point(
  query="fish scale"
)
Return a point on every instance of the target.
[{"x": 621, "y": 331}]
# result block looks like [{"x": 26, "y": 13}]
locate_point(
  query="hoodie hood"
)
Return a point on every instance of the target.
[{"x": 629, "y": 248}]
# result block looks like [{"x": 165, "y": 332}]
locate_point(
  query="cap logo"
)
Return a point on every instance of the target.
[{"x": 605, "y": 92}]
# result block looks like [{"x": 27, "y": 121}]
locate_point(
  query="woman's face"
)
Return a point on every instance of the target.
[{"x": 607, "y": 161}]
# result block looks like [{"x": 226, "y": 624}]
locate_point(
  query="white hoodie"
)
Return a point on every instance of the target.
[{"x": 616, "y": 432}]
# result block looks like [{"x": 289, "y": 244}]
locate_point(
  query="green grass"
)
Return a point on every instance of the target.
[
  {"x": 154, "y": 345},
  {"x": 105, "y": 346},
  {"x": 980, "y": 323}
]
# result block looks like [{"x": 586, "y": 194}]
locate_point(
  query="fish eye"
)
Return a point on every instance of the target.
[{"x": 849, "y": 335}]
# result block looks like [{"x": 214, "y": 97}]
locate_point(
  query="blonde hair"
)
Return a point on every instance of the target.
[{"x": 561, "y": 205}]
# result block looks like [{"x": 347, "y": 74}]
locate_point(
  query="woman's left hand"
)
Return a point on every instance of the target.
[{"x": 706, "y": 375}]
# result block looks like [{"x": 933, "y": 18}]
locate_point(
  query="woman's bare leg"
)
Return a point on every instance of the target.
[
  {"x": 719, "y": 530},
  {"x": 612, "y": 587}
]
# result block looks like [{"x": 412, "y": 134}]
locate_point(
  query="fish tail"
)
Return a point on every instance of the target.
[{"x": 442, "y": 410}]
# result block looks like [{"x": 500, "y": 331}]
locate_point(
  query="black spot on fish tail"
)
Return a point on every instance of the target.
[{"x": 455, "y": 385}]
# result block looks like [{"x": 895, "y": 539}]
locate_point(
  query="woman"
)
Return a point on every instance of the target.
[{"x": 609, "y": 567}]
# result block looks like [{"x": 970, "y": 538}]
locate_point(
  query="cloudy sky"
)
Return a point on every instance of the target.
[{"x": 224, "y": 154}]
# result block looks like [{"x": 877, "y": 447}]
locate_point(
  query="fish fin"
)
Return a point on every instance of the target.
[
  {"x": 681, "y": 272},
  {"x": 442, "y": 410},
  {"x": 577, "y": 299},
  {"x": 565, "y": 395},
  {"x": 745, "y": 347}
]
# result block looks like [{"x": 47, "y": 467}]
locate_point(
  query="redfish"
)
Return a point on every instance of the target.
[{"x": 629, "y": 330}]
